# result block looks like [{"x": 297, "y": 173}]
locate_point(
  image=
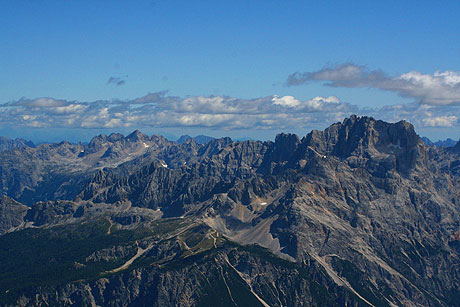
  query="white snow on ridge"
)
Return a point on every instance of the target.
[{"x": 145, "y": 145}]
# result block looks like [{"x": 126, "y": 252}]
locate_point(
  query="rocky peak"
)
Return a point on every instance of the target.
[
  {"x": 214, "y": 146},
  {"x": 203, "y": 139},
  {"x": 284, "y": 147},
  {"x": 159, "y": 140},
  {"x": 199, "y": 139},
  {"x": 333, "y": 203},
  {"x": 136, "y": 136},
  {"x": 190, "y": 146},
  {"x": 367, "y": 140},
  {"x": 114, "y": 137},
  {"x": 7, "y": 144},
  {"x": 96, "y": 144},
  {"x": 356, "y": 135},
  {"x": 97, "y": 139},
  {"x": 281, "y": 153},
  {"x": 353, "y": 136},
  {"x": 183, "y": 138}
]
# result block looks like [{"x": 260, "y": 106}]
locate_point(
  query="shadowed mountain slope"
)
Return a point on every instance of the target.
[{"x": 362, "y": 213}]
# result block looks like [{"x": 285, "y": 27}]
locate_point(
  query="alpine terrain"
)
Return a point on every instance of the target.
[{"x": 360, "y": 214}]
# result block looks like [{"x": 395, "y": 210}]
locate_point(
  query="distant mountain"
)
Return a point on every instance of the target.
[
  {"x": 199, "y": 139},
  {"x": 441, "y": 143},
  {"x": 446, "y": 143},
  {"x": 427, "y": 141},
  {"x": 59, "y": 171},
  {"x": 7, "y": 144},
  {"x": 242, "y": 139},
  {"x": 362, "y": 213}
]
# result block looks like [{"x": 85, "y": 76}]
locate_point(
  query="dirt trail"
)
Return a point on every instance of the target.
[
  {"x": 214, "y": 238},
  {"x": 126, "y": 265},
  {"x": 111, "y": 224}
]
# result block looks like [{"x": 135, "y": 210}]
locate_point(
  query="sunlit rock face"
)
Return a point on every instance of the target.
[{"x": 362, "y": 213}]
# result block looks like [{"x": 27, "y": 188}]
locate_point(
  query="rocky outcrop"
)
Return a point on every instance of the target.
[
  {"x": 11, "y": 214},
  {"x": 362, "y": 213},
  {"x": 8, "y": 144},
  {"x": 47, "y": 212},
  {"x": 60, "y": 171}
]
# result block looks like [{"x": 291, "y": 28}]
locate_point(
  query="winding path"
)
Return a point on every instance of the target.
[{"x": 126, "y": 265}]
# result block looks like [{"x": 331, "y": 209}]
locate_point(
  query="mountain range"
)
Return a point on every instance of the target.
[
  {"x": 199, "y": 139},
  {"x": 7, "y": 144},
  {"x": 362, "y": 213},
  {"x": 441, "y": 143}
]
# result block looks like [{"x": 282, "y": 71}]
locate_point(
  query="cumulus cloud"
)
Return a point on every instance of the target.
[
  {"x": 44, "y": 102},
  {"x": 440, "y": 88},
  {"x": 279, "y": 113},
  {"x": 317, "y": 103},
  {"x": 286, "y": 101},
  {"x": 441, "y": 121}
]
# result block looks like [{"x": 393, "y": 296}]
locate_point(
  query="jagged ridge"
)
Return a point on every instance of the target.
[{"x": 364, "y": 201}]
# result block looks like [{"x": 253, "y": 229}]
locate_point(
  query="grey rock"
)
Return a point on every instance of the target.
[
  {"x": 364, "y": 211},
  {"x": 12, "y": 214}
]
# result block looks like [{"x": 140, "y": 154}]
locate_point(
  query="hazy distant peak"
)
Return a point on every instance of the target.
[
  {"x": 183, "y": 138},
  {"x": 199, "y": 139},
  {"x": 7, "y": 143}
]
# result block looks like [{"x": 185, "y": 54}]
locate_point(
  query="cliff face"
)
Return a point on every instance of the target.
[
  {"x": 12, "y": 214},
  {"x": 361, "y": 213}
]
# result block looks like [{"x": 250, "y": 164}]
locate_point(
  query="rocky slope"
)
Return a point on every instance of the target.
[
  {"x": 7, "y": 144},
  {"x": 12, "y": 214},
  {"x": 60, "y": 171},
  {"x": 362, "y": 213}
]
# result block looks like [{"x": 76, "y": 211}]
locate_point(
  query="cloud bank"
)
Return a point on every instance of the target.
[
  {"x": 440, "y": 88},
  {"x": 158, "y": 110}
]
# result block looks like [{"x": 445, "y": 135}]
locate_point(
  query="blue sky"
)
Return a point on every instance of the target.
[{"x": 68, "y": 51}]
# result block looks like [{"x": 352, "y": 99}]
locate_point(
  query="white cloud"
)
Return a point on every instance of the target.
[
  {"x": 113, "y": 123},
  {"x": 72, "y": 108},
  {"x": 36, "y": 124},
  {"x": 440, "y": 121},
  {"x": 28, "y": 117},
  {"x": 317, "y": 103},
  {"x": 44, "y": 102},
  {"x": 440, "y": 88},
  {"x": 286, "y": 101},
  {"x": 216, "y": 112}
]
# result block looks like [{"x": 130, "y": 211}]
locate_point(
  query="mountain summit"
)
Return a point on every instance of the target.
[{"x": 361, "y": 214}]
